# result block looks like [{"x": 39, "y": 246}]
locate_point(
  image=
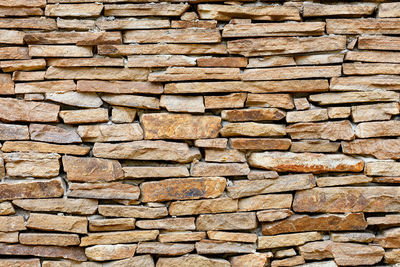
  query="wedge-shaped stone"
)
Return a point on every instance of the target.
[
  {"x": 172, "y": 103},
  {"x": 28, "y": 146},
  {"x": 13, "y": 132},
  {"x": 235, "y": 100},
  {"x": 307, "y": 115},
  {"x": 346, "y": 10},
  {"x": 243, "y": 188},
  {"x": 23, "y": 65},
  {"x": 343, "y": 180},
  {"x": 32, "y": 164},
  {"x": 20, "y": 110},
  {"x": 354, "y": 97},
  {"x": 169, "y": 224},
  {"x": 382, "y": 168},
  {"x": 224, "y": 155},
  {"x": 314, "y": 146},
  {"x": 348, "y": 254},
  {"x": 192, "y": 260},
  {"x": 186, "y": 236},
  {"x": 288, "y": 73},
  {"x": 305, "y": 162},
  {"x": 153, "y": 9},
  {"x": 179, "y": 126},
  {"x": 110, "y": 132},
  {"x": 219, "y": 169},
  {"x": 143, "y": 102},
  {"x": 182, "y": 189},
  {"x": 78, "y": 38},
  {"x": 32, "y": 23},
  {"x": 192, "y": 207},
  {"x": 378, "y": 128},
  {"x": 171, "y": 249},
  {"x": 389, "y": 10},
  {"x": 326, "y": 222},
  {"x": 173, "y": 36},
  {"x": 12, "y": 223},
  {"x": 128, "y": 24},
  {"x": 286, "y": 240},
  {"x": 74, "y": 206},
  {"x": 11, "y": 37},
  {"x": 226, "y": 221},
  {"x": 60, "y": 51},
  {"x": 260, "y": 114},
  {"x": 332, "y": 130},
  {"x": 253, "y": 129},
  {"x": 253, "y": 87},
  {"x": 47, "y": 222},
  {"x": 379, "y": 148},
  {"x": 147, "y": 150},
  {"x": 133, "y": 211},
  {"x": 122, "y": 114},
  {"x": 262, "y": 202},
  {"x": 6, "y": 208},
  {"x": 232, "y": 236},
  {"x": 381, "y": 111},
  {"x": 45, "y": 87},
  {"x": 228, "y": 12},
  {"x": 221, "y": 247},
  {"x": 155, "y": 172},
  {"x": 118, "y": 224},
  {"x": 104, "y": 190},
  {"x": 141, "y": 61},
  {"x": 72, "y": 253},
  {"x": 284, "y": 45},
  {"x": 273, "y": 215},
  {"x": 61, "y": 240},
  {"x": 53, "y": 134},
  {"x": 110, "y": 252},
  {"x": 185, "y": 74},
  {"x": 274, "y": 29},
  {"x": 74, "y": 10},
  {"x": 389, "y": 238},
  {"x": 362, "y": 26},
  {"x": 373, "y": 56},
  {"x": 260, "y": 143},
  {"x": 347, "y": 199},
  {"x": 31, "y": 189},
  {"x": 86, "y": 100},
  {"x": 92, "y": 169},
  {"x": 84, "y": 116}
]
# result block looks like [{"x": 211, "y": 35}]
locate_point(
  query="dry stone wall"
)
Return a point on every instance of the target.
[{"x": 199, "y": 133}]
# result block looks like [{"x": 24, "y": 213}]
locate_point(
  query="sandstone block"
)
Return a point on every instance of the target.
[
  {"x": 112, "y": 190},
  {"x": 72, "y": 224},
  {"x": 226, "y": 221}
]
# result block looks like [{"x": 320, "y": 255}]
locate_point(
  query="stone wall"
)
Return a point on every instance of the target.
[{"x": 199, "y": 133}]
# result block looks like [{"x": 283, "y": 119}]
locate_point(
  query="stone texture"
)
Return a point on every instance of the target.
[
  {"x": 19, "y": 110},
  {"x": 219, "y": 169},
  {"x": 332, "y": 130},
  {"x": 253, "y": 114},
  {"x": 260, "y": 143},
  {"x": 85, "y": 100},
  {"x": 61, "y": 240},
  {"x": 377, "y": 129},
  {"x": 192, "y": 260},
  {"x": 183, "y": 74},
  {"x": 379, "y": 148},
  {"x": 362, "y": 26},
  {"x": 53, "y": 134},
  {"x": 13, "y": 132},
  {"x": 254, "y": 259},
  {"x": 118, "y": 237},
  {"x": 74, "y": 206},
  {"x": 155, "y": 172},
  {"x": 171, "y": 249},
  {"x": 170, "y": 224},
  {"x": 72, "y": 224},
  {"x": 110, "y": 252},
  {"x": 220, "y": 247},
  {"x": 112, "y": 190},
  {"x": 235, "y": 100},
  {"x": 172, "y": 36},
  {"x": 31, "y": 189},
  {"x": 232, "y": 236},
  {"x": 307, "y": 115},
  {"x": 343, "y": 180},
  {"x": 174, "y": 103},
  {"x": 192, "y": 207},
  {"x": 314, "y": 146},
  {"x": 135, "y": 101},
  {"x": 84, "y": 116},
  {"x": 354, "y": 97},
  {"x": 222, "y": 155},
  {"x": 110, "y": 132},
  {"x": 286, "y": 240},
  {"x": 186, "y": 236},
  {"x": 226, "y": 221},
  {"x": 28, "y": 146},
  {"x": 273, "y": 215},
  {"x": 288, "y": 73},
  {"x": 118, "y": 87},
  {"x": 353, "y": 10},
  {"x": 261, "y": 202},
  {"x": 252, "y": 129},
  {"x": 133, "y": 211},
  {"x": 100, "y": 73},
  {"x": 118, "y": 224}
]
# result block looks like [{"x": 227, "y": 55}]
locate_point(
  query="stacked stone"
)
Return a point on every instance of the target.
[{"x": 199, "y": 133}]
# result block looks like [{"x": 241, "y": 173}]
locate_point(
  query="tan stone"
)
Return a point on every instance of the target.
[
  {"x": 144, "y": 102},
  {"x": 13, "y": 52},
  {"x": 286, "y": 240},
  {"x": 182, "y": 103},
  {"x": 382, "y": 168},
  {"x": 226, "y": 221},
  {"x": 84, "y": 116},
  {"x": 260, "y": 143},
  {"x": 307, "y": 115},
  {"x": 261, "y": 202},
  {"x": 314, "y": 146},
  {"x": 270, "y": 100},
  {"x": 112, "y": 190},
  {"x": 185, "y": 73},
  {"x": 252, "y": 114},
  {"x": 232, "y": 236},
  {"x": 192, "y": 260},
  {"x": 10, "y": 36},
  {"x": 31, "y": 189},
  {"x": 348, "y": 254},
  {"x": 387, "y": 220},
  {"x": 362, "y": 26},
  {"x": 339, "y": 112},
  {"x": 32, "y": 23},
  {"x": 343, "y": 180},
  {"x": 157, "y": 9},
  {"x": 389, "y": 10},
  {"x": 305, "y": 162},
  {"x": 49, "y": 222},
  {"x": 332, "y": 130},
  {"x": 347, "y": 199},
  {"x": 129, "y": 24},
  {"x": 13, "y": 132},
  {"x": 155, "y": 172},
  {"x": 74, "y": 10},
  {"x": 29, "y": 75},
  {"x": 78, "y": 38},
  {"x": 34, "y": 97},
  {"x": 377, "y": 129},
  {"x": 354, "y": 97},
  {"x": 192, "y": 207},
  {"x": 8, "y": 237},
  {"x": 43, "y": 87},
  {"x": 23, "y": 65},
  {"x": 6, "y": 208},
  {"x": 221, "y": 247},
  {"x": 360, "y": 68},
  {"x": 72, "y": 253},
  {"x": 254, "y": 259},
  {"x": 171, "y": 249},
  {"x": 137, "y": 261},
  {"x": 224, "y": 155},
  {"x": 219, "y": 169},
  {"x": 19, "y": 110},
  {"x": 122, "y": 114},
  {"x": 87, "y": 62},
  {"x": 273, "y": 215},
  {"x": 379, "y": 148},
  {"x": 319, "y": 59},
  {"x": 75, "y": 24},
  {"x": 53, "y": 134},
  {"x": 181, "y": 236},
  {"x": 352, "y": 237},
  {"x": 110, "y": 132},
  {"x": 392, "y": 256},
  {"x": 243, "y": 188},
  {"x": 32, "y": 164},
  {"x": 231, "y": 62},
  {"x": 86, "y": 100},
  {"x": 353, "y": 10},
  {"x": 60, "y": 51},
  {"x": 317, "y": 250},
  {"x": 49, "y": 239},
  {"x": 133, "y": 211},
  {"x": 260, "y": 175},
  {"x": 173, "y": 36},
  {"x": 74, "y": 206},
  {"x": 260, "y": 62},
  {"x": 235, "y": 100},
  {"x": 6, "y": 84},
  {"x": 118, "y": 237},
  {"x": 147, "y": 150},
  {"x": 252, "y": 129},
  {"x": 389, "y": 238},
  {"x": 118, "y": 224},
  {"x": 110, "y": 252},
  {"x": 212, "y": 143},
  {"x": 170, "y": 224},
  {"x": 28, "y": 146},
  {"x": 366, "y": 83},
  {"x": 179, "y": 126},
  {"x": 287, "y": 73},
  {"x": 92, "y": 169},
  {"x": 12, "y": 223},
  {"x": 292, "y": 261},
  {"x": 373, "y": 56}
]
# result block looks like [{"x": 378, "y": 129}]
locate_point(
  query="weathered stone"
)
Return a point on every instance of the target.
[
  {"x": 360, "y": 68},
  {"x": 61, "y": 240},
  {"x": 362, "y": 26},
  {"x": 260, "y": 175},
  {"x": 343, "y": 180},
  {"x": 354, "y": 97},
  {"x": 72, "y": 253},
  {"x": 53, "y": 134},
  {"x": 100, "y": 73},
  {"x": 235, "y": 100},
  {"x": 348, "y": 254},
  {"x": 387, "y": 220},
  {"x": 252, "y": 129},
  {"x": 273, "y": 215},
  {"x": 182, "y": 189},
  {"x": 50, "y": 222},
  {"x": 6, "y": 84},
  {"x": 147, "y": 150},
  {"x": 192, "y": 207},
  {"x": 119, "y": 87},
  {"x": 170, "y": 224},
  {"x": 392, "y": 256},
  {"x": 122, "y": 114},
  {"x": 8, "y": 237},
  {"x": 28, "y": 76},
  {"x": 144, "y": 102},
  {"x": 339, "y": 112},
  {"x": 366, "y": 83},
  {"x": 60, "y": 51},
  {"x": 112, "y": 190},
  {"x": 118, "y": 224},
  {"x": 307, "y": 115},
  {"x": 12, "y": 223},
  {"x": 86, "y": 100},
  {"x": 184, "y": 74},
  {"x": 353, "y": 10},
  {"x": 6, "y": 208},
  {"x": 20, "y": 110},
  {"x": 45, "y": 87},
  {"x": 74, "y": 10},
  {"x": 155, "y": 172},
  {"x": 231, "y": 62},
  {"x": 347, "y": 199},
  {"x": 389, "y": 10},
  {"x": 260, "y": 143},
  {"x": 288, "y": 73},
  {"x": 319, "y": 59},
  {"x": 34, "y": 97},
  {"x": 78, "y": 38},
  {"x": 192, "y": 260},
  {"x": 118, "y": 237},
  {"x": 326, "y": 222},
  {"x": 260, "y": 62},
  {"x": 92, "y": 169},
  {"x": 33, "y": 23},
  {"x": 137, "y": 261},
  {"x": 373, "y": 56},
  {"x": 211, "y": 143},
  {"x": 110, "y": 252},
  {"x": 232, "y": 236},
  {"x": 292, "y": 261},
  {"x": 221, "y": 247},
  {"x": 252, "y": 114},
  {"x": 22, "y": 65},
  {"x": 378, "y": 128},
  {"x": 133, "y": 211},
  {"x": 84, "y": 116},
  {"x": 305, "y": 162},
  {"x": 173, "y": 36},
  {"x": 272, "y": 100},
  {"x": 28, "y": 146},
  {"x": 171, "y": 249},
  {"x": 110, "y": 132},
  {"x": 314, "y": 146},
  {"x": 224, "y": 155},
  {"x": 11, "y": 37},
  {"x": 287, "y": 240},
  {"x": 75, "y": 24},
  {"x": 352, "y": 237},
  {"x": 382, "y": 168},
  {"x": 32, "y": 164},
  {"x": 389, "y": 238},
  {"x": 181, "y": 236},
  {"x": 31, "y": 189},
  {"x": 226, "y": 221},
  {"x": 243, "y": 188},
  {"x": 74, "y": 206},
  {"x": 13, "y": 132},
  {"x": 317, "y": 250},
  {"x": 261, "y": 202},
  {"x": 157, "y": 9},
  {"x": 332, "y": 130},
  {"x": 130, "y": 24},
  {"x": 172, "y": 103},
  {"x": 219, "y": 169},
  {"x": 379, "y": 148},
  {"x": 13, "y": 52},
  {"x": 254, "y": 259}
]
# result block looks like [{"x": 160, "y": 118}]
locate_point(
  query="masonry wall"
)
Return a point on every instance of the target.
[{"x": 199, "y": 133}]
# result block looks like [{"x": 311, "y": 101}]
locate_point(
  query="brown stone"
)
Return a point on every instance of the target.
[
  {"x": 186, "y": 236},
  {"x": 347, "y": 199},
  {"x": 292, "y": 261},
  {"x": 348, "y": 254},
  {"x": 379, "y": 148},
  {"x": 147, "y": 150},
  {"x": 156, "y": 9},
  {"x": 261, "y": 202},
  {"x": 231, "y": 62},
  {"x": 31, "y": 189},
  {"x": 260, "y": 175},
  {"x": 49, "y": 222},
  {"x": 381, "y": 111},
  {"x": 219, "y": 169},
  {"x": 365, "y": 83},
  {"x": 268, "y": 61},
  {"x": 224, "y": 155},
  {"x": 19, "y": 110},
  {"x": 74, "y": 206},
  {"x": 92, "y": 169},
  {"x": 332, "y": 130},
  {"x": 120, "y": 87},
  {"x": 170, "y": 224},
  {"x": 137, "y": 261},
  {"x": 343, "y": 180},
  {"x": 252, "y": 129},
  {"x": 112, "y": 190},
  {"x": 110, "y": 252},
  {"x": 73, "y": 253},
  {"x": 122, "y": 114},
  {"x": 143, "y": 102},
  {"x": 13, "y": 52},
  {"x": 339, "y": 112},
  {"x": 12, "y": 223},
  {"x": 232, "y": 236},
  {"x": 284, "y": 101},
  {"x": 317, "y": 250},
  {"x": 252, "y": 114},
  {"x": 192, "y": 260},
  {"x": 389, "y": 10},
  {"x": 118, "y": 237},
  {"x": 273, "y": 215},
  {"x": 133, "y": 211},
  {"x": 78, "y": 38},
  {"x": 314, "y": 146},
  {"x": 60, "y": 51},
  {"x": 390, "y": 219},
  {"x": 212, "y": 143},
  {"x": 182, "y": 189},
  {"x": 226, "y": 221},
  {"x": 183, "y": 74},
  {"x": 28, "y": 146},
  {"x": 378, "y": 128},
  {"x": 110, "y": 132},
  {"x": 61, "y": 240},
  {"x": 171, "y": 249},
  {"x": 193, "y": 207},
  {"x": 28, "y": 76},
  {"x": 260, "y": 143},
  {"x": 235, "y": 100},
  {"x": 254, "y": 259},
  {"x": 128, "y": 24},
  {"x": 221, "y": 247},
  {"x": 173, "y": 36},
  {"x": 86, "y": 100},
  {"x": 155, "y": 172},
  {"x": 84, "y": 116},
  {"x": 75, "y": 24},
  {"x": 352, "y": 237},
  {"x": 13, "y": 132},
  {"x": 118, "y": 224},
  {"x": 33, "y": 23},
  {"x": 373, "y": 56},
  {"x": 362, "y": 26},
  {"x": 243, "y": 188},
  {"x": 74, "y": 10},
  {"x": 319, "y": 59},
  {"x": 353, "y": 10},
  {"x": 86, "y": 62},
  {"x": 10, "y": 36},
  {"x": 287, "y": 240},
  {"x": 392, "y": 256},
  {"x": 382, "y": 168},
  {"x": 359, "y": 68},
  {"x": 354, "y": 97},
  {"x": 6, "y": 208},
  {"x": 23, "y": 65},
  {"x": 307, "y": 115},
  {"x": 53, "y": 134},
  {"x": 173, "y": 103},
  {"x": 6, "y": 84}
]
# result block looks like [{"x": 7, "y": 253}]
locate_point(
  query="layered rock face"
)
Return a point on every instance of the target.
[{"x": 199, "y": 133}]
